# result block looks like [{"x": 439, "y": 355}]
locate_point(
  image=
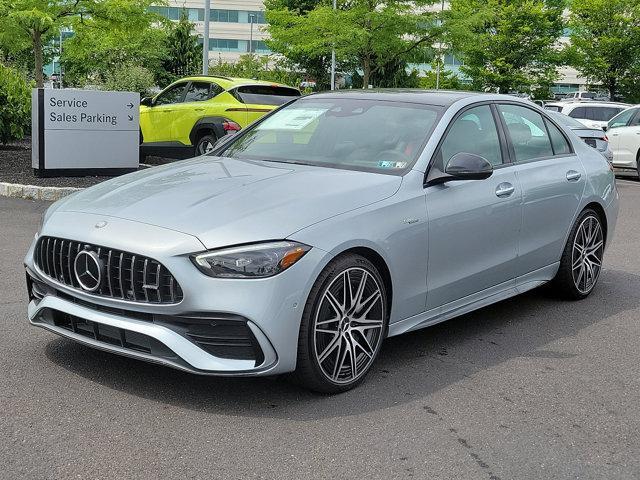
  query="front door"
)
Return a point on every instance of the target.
[
  {"x": 625, "y": 140},
  {"x": 157, "y": 120},
  {"x": 473, "y": 224}
]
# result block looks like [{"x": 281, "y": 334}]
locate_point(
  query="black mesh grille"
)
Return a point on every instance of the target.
[
  {"x": 591, "y": 142},
  {"x": 124, "y": 275}
]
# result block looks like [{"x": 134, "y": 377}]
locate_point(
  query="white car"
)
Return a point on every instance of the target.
[
  {"x": 623, "y": 132},
  {"x": 590, "y": 114},
  {"x": 581, "y": 96}
]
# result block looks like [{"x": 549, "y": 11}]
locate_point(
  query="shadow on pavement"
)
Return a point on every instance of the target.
[{"x": 410, "y": 367}]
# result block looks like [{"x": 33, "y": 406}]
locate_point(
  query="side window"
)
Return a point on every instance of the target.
[
  {"x": 580, "y": 112},
  {"x": 558, "y": 140},
  {"x": 635, "y": 121},
  {"x": 172, "y": 95},
  {"x": 473, "y": 132},
  {"x": 622, "y": 118},
  {"x": 527, "y": 131},
  {"x": 197, "y": 92}
]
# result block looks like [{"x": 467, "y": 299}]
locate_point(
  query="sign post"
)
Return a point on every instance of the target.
[{"x": 84, "y": 132}]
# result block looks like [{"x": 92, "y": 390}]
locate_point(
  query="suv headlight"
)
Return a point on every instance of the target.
[{"x": 250, "y": 261}]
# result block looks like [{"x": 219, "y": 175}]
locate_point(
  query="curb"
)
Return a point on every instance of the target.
[{"x": 35, "y": 192}]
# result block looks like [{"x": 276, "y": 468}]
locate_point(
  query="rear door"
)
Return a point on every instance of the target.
[
  {"x": 261, "y": 99},
  {"x": 191, "y": 109},
  {"x": 552, "y": 179}
]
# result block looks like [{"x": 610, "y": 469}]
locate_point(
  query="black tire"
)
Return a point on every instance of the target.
[
  {"x": 638, "y": 164},
  {"x": 564, "y": 284},
  {"x": 312, "y": 373},
  {"x": 201, "y": 146}
]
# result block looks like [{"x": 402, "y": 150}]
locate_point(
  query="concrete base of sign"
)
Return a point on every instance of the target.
[
  {"x": 81, "y": 172},
  {"x": 35, "y": 192}
]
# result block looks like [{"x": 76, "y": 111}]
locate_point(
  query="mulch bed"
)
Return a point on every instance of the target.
[{"x": 15, "y": 167}]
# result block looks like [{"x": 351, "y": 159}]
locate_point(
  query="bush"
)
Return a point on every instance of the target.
[
  {"x": 130, "y": 78},
  {"x": 15, "y": 105}
]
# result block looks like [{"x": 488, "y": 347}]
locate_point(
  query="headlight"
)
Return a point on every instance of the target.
[{"x": 250, "y": 261}]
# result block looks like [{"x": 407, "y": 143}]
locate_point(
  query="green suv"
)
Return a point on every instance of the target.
[{"x": 191, "y": 114}]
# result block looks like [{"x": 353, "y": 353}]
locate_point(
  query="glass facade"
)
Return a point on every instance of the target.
[{"x": 217, "y": 15}]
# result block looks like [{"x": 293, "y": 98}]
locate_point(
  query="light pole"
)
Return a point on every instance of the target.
[
  {"x": 440, "y": 57},
  {"x": 251, "y": 17},
  {"x": 205, "y": 38},
  {"x": 333, "y": 60}
]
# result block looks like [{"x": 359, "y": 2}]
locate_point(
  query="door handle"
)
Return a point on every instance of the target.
[
  {"x": 504, "y": 189},
  {"x": 573, "y": 176},
  {"x": 199, "y": 109}
]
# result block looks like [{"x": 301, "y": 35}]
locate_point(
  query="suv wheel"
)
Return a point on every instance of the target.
[
  {"x": 205, "y": 144},
  {"x": 343, "y": 325}
]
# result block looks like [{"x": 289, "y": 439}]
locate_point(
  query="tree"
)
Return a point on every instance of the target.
[
  {"x": 36, "y": 21},
  {"x": 120, "y": 32},
  {"x": 605, "y": 44},
  {"x": 368, "y": 34},
  {"x": 15, "y": 105},
  {"x": 130, "y": 78},
  {"x": 258, "y": 67},
  {"x": 184, "y": 51},
  {"x": 506, "y": 45}
]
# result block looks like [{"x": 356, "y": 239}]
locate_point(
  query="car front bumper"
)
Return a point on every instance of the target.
[{"x": 268, "y": 310}]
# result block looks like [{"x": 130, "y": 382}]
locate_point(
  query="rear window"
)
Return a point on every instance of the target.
[
  {"x": 265, "y": 94},
  {"x": 596, "y": 113}
]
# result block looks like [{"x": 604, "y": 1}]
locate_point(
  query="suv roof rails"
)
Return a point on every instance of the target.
[{"x": 220, "y": 76}]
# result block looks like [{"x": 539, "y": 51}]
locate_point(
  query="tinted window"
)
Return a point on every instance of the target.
[
  {"x": 622, "y": 118},
  {"x": 358, "y": 134},
  {"x": 473, "y": 132},
  {"x": 558, "y": 141},
  {"x": 635, "y": 121},
  {"x": 604, "y": 114},
  {"x": 527, "y": 131},
  {"x": 171, "y": 95},
  {"x": 265, "y": 94},
  {"x": 566, "y": 120},
  {"x": 198, "y": 91},
  {"x": 580, "y": 112}
]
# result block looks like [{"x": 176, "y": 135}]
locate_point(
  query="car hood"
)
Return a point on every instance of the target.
[{"x": 225, "y": 201}]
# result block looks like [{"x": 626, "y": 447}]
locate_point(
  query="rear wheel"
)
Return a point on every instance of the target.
[
  {"x": 205, "y": 144},
  {"x": 343, "y": 325},
  {"x": 581, "y": 260},
  {"x": 638, "y": 164}
]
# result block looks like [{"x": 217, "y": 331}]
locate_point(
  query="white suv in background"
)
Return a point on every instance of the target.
[
  {"x": 623, "y": 132},
  {"x": 590, "y": 114}
]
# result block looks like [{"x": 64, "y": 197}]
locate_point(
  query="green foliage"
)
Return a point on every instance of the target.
[
  {"x": 118, "y": 33},
  {"x": 506, "y": 45},
  {"x": 605, "y": 44},
  {"x": 130, "y": 78},
  {"x": 448, "y": 81},
  {"x": 15, "y": 105},
  {"x": 184, "y": 51},
  {"x": 257, "y": 67},
  {"x": 32, "y": 23},
  {"x": 366, "y": 34}
]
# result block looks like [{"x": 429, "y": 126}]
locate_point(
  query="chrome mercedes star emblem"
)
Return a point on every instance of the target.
[
  {"x": 101, "y": 224},
  {"x": 88, "y": 270}
]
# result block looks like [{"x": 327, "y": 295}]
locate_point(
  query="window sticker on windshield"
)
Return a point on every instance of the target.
[
  {"x": 292, "y": 119},
  {"x": 388, "y": 164}
]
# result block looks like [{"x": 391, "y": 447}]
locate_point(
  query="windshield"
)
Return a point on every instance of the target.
[{"x": 358, "y": 134}]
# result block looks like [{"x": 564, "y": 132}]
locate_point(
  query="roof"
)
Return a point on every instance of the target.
[
  {"x": 428, "y": 97},
  {"x": 588, "y": 103},
  {"x": 230, "y": 82}
]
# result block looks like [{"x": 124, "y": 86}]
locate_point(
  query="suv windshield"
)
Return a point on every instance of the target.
[{"x": 358, "y": 134}]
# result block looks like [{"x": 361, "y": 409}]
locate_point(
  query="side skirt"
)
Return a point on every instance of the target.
[{"x": 475, "y": 301}]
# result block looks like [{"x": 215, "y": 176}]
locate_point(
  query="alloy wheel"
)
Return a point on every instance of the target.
[
  {"x": 348, "y": 325},
  {"x": 205, "y": 147},
  {"x": 587, "y": 252}
]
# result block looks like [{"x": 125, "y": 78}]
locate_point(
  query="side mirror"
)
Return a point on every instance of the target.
[
  {"x": 147, "y": 102},
  {"x": 468, "y": 166},
  {"x": 605, "y": 128}
]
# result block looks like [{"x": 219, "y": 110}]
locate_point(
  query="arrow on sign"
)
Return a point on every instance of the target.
[
  {"x": 130, "y": 118},
  {"x": 130, "y": 105}
]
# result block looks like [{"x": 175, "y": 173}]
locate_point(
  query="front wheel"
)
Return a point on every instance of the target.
[
  {"x": 343, "y": 325},
  {"x": 581, "y": 260}
]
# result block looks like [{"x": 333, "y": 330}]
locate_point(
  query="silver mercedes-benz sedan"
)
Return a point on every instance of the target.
[{"x": 299, "y": 244}]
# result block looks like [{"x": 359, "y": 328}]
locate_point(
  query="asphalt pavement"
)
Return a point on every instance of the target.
[{"x": 530, "y": 388}]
